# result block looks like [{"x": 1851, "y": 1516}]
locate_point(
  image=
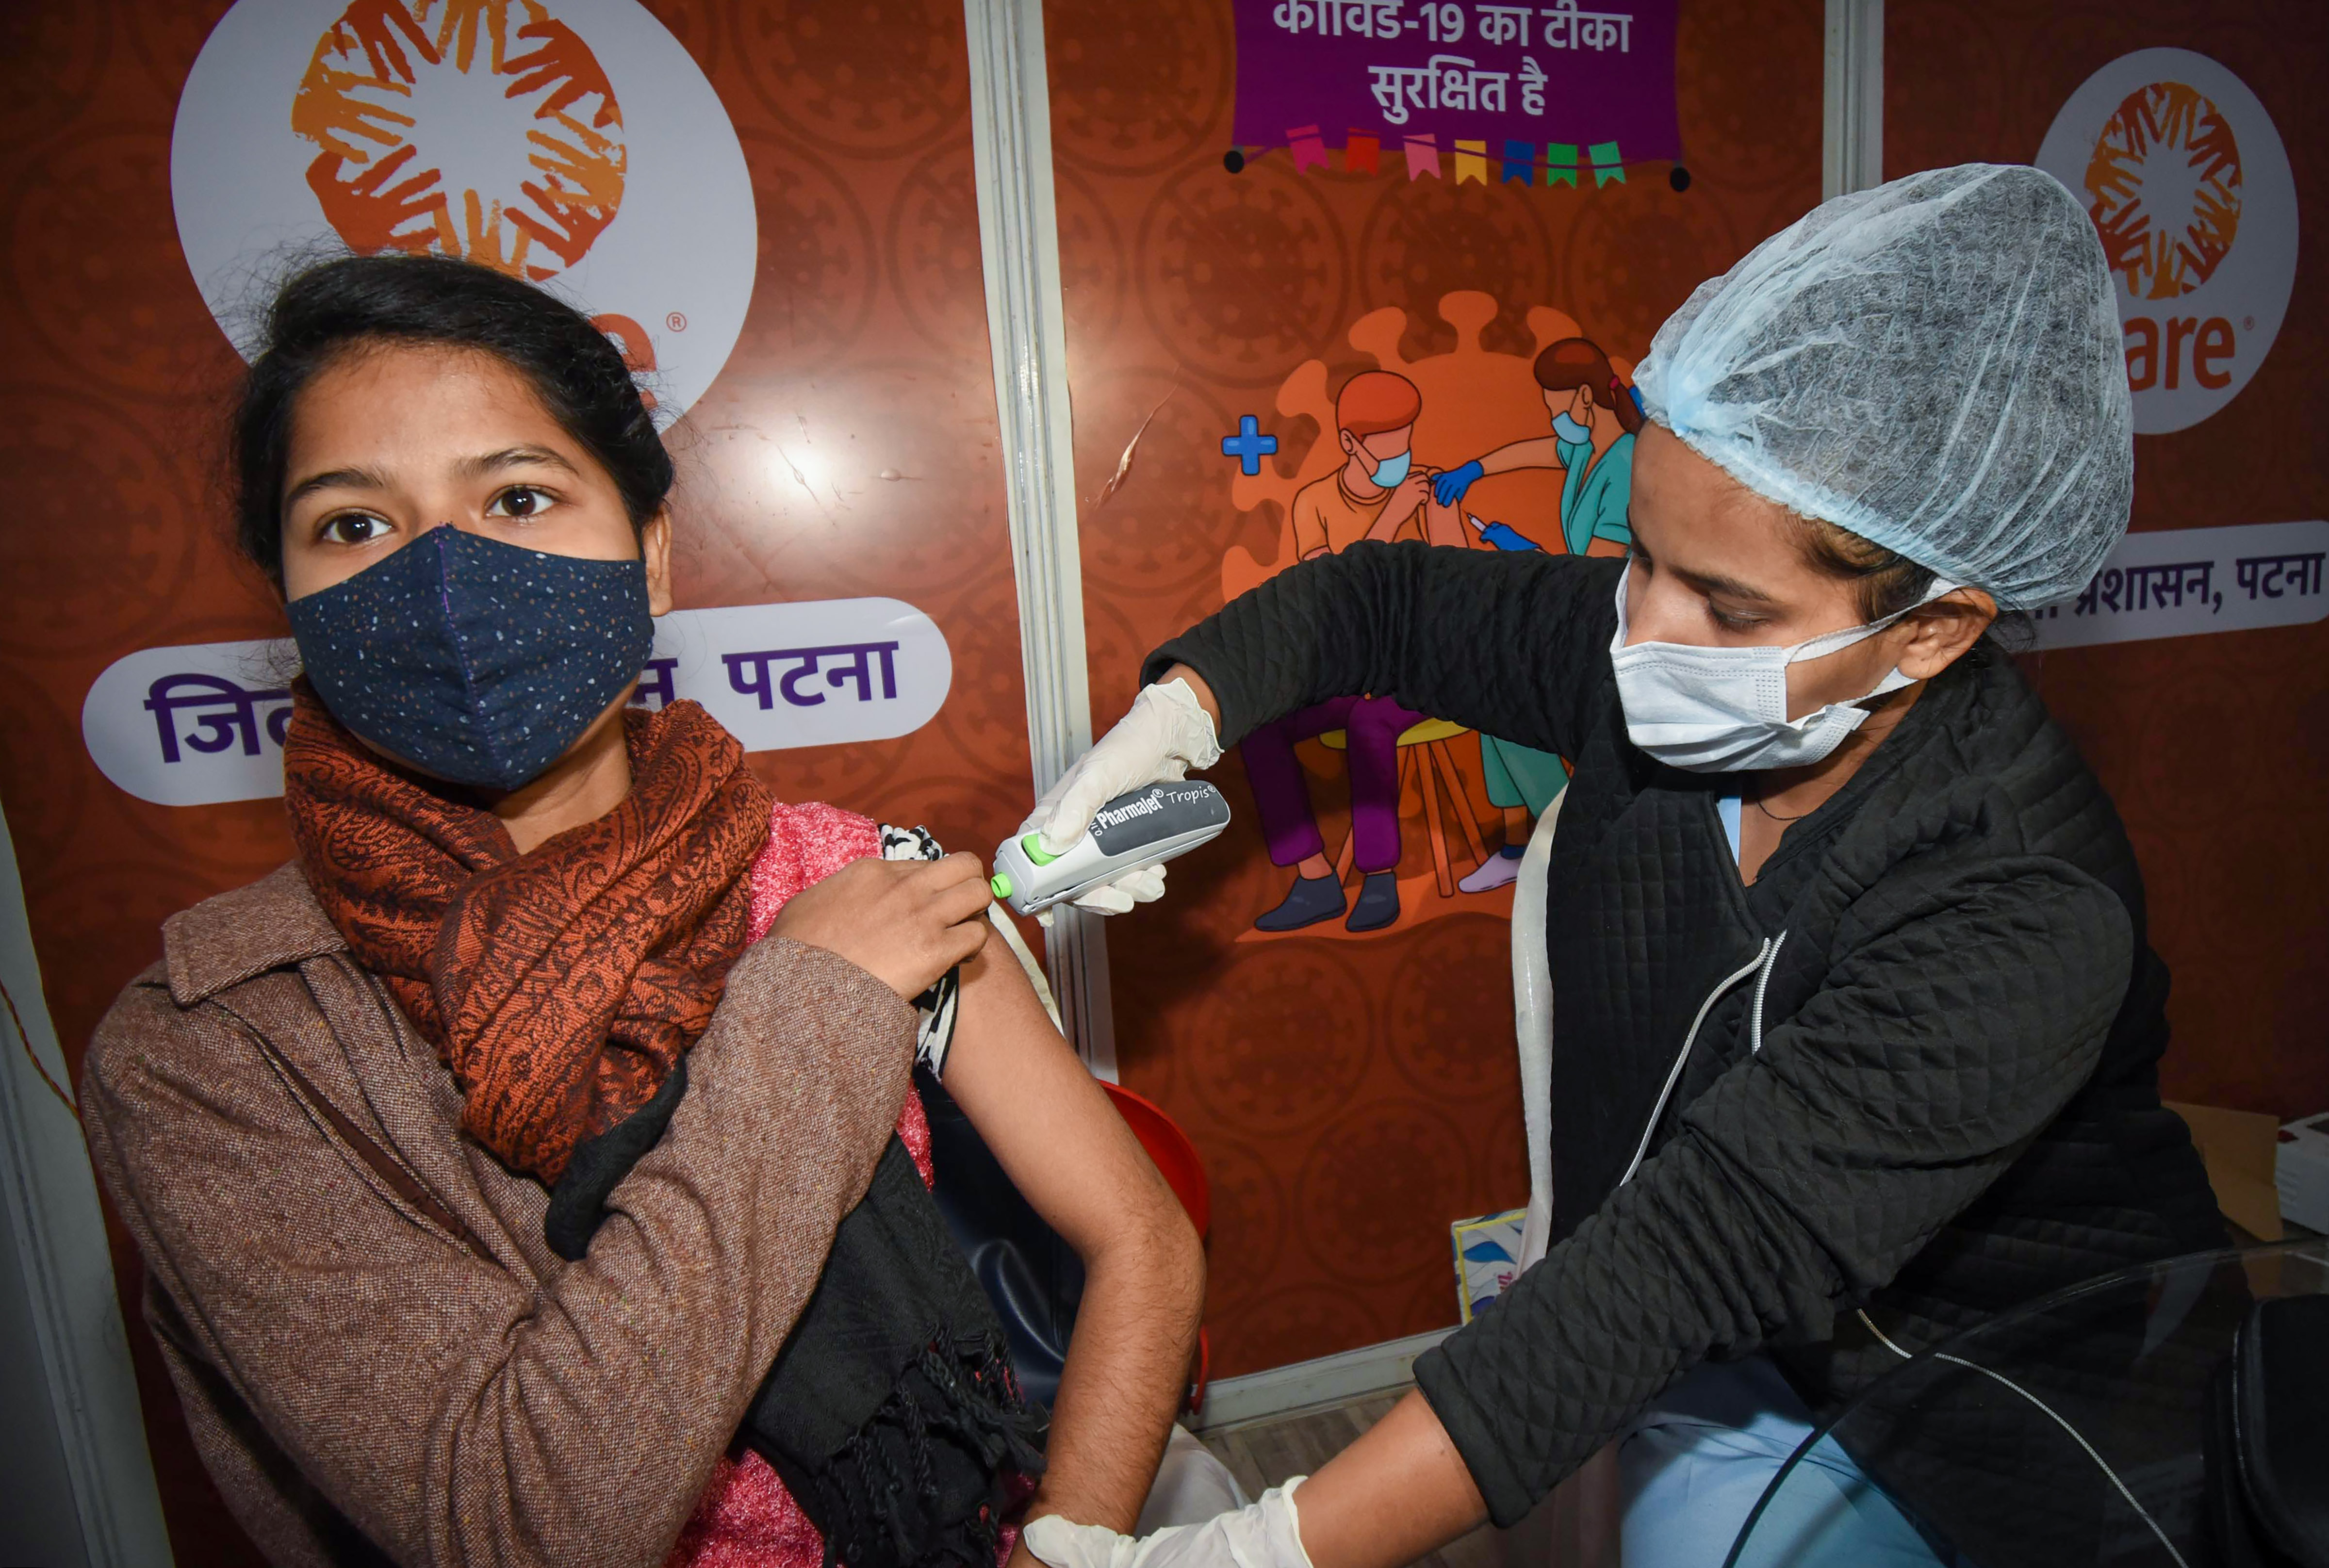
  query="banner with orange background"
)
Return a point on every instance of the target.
[
  {"x": 1353, "y": 1092},
  {"x": 817, "y": 335},
  {"x": 2193, "y": 137},
  {"x": 773, "y": 214}
]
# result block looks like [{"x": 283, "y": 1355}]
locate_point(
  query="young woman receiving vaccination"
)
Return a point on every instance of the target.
[
  {"x": 529, "y": 1172},
  {"x": 1856, "y": 1024}
]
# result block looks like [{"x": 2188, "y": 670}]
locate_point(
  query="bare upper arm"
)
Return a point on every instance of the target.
[{"x": 1046, "y": 1119}]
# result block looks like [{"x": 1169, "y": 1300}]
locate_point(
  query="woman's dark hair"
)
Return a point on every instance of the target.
[
  {"x": 340, "y": 307},
  {"x": 1574, "y": 362},
  {"x": 1886, "y": 581}
]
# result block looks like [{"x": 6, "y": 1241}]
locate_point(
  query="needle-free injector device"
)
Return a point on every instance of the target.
[{"x": 1146, "y": 827}]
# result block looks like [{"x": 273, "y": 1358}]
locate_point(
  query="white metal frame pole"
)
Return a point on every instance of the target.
[
  {"x": 47, "y": 1200},
  {"x": 1851, "y": 139},
  {"x": 1019, "y": 246}
]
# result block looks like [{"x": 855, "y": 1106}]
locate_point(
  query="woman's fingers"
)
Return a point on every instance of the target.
[
  {"x": 905, "y": 922},
  {"x": 961, "y": 944},
  {"x": 957, "y": 883},
  {"x": 946, "y": 927}
]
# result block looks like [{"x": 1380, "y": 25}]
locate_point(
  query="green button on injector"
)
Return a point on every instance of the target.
[
  {"x": 1034, "y": 844},
  {"x": 1000, "y": 885}
]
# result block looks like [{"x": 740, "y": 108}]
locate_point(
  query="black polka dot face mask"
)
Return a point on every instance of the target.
[{"x": 476, "y": 661}]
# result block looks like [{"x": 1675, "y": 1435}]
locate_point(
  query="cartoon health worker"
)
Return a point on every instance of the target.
[
  {"x": 1378, "y": 493},
  {"x": 1594, "y": 419}
]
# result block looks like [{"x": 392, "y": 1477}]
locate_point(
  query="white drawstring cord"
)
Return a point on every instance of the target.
[
  {"x": 1674, "y": 1075},
  {"x": 1762, "y": 984},
  {"x": 1887, "y": 1339},
  {"x": 2100, "y": 1463}
]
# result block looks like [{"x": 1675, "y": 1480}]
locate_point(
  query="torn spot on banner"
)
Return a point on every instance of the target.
[{"x": 1123, "y": 464}]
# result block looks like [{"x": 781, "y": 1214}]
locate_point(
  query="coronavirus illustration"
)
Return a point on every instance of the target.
[{"x": 1474, "y": 398}]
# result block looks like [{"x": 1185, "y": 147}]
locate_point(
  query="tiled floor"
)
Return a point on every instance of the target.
[{"x": 1264, "y": 1453}]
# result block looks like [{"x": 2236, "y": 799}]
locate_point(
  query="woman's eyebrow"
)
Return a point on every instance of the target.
[
  {"x": 1716, "y": 583},
  {"x": 336, "y": 479},
  {"x": 513, "y": 458}
]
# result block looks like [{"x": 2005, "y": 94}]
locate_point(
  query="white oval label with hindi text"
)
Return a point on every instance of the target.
[{"x": 201, "y": 723}]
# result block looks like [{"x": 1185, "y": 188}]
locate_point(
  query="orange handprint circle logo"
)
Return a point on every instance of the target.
[
  {"x": 573, "y": 143},
  {"x": 2184, "y": 176},
  {"x": 2163, "y": 188},
  {"x": 478, "y": 129}
]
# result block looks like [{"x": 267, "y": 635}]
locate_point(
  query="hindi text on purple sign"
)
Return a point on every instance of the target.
[{"x": 1604, "y": 75}]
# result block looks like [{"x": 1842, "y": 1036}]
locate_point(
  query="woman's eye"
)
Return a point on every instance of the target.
[
  {"x": 1731, "y": 623},
  {"x": 520, "y": 501},
  {"x": 351, "y": 528}
]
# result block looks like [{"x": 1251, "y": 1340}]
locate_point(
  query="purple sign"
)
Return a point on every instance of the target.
[{"x": 1534, "y": 75}]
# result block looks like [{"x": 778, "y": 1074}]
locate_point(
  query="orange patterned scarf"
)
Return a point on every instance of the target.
[{"x": 559, "y": 986}]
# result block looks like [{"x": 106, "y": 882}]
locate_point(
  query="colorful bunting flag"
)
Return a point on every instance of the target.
[{"x": 1363, "y": 154}]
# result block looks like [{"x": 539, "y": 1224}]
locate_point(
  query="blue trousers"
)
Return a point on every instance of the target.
[{"x": 1692, "y": 1467}]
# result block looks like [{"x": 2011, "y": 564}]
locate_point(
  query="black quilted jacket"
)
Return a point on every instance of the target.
[{"x": 1954, "y": 1106}]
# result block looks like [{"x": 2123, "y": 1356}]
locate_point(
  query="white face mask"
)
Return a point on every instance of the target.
[{"x": 1725, "y": 710}]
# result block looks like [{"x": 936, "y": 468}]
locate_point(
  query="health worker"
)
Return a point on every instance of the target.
[{"x": 1857, "y": 1026}]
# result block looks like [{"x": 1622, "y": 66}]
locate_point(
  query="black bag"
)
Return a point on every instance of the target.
[
  {"x": 1034, "y": 1279},
  {"x": 892, "y": 1412},
  {"x": 2269, "y": 1449}
]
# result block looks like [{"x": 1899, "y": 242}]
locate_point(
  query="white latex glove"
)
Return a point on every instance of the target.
[
  {"x": 1162, "y": 737},
  {"x": 1263, "y": 1534}
]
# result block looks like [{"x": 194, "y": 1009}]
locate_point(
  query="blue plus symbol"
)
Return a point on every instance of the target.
[{"x": 1248, "y": 445}]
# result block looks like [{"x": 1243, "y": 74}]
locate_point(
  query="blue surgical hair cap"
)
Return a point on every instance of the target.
[{"x": 1934, "y": 365}]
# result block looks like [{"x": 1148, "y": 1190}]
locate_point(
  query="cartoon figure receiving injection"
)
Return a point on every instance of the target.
[
  {"x": 1594, "y": 419},
  {"x": 1378, "y": 493}
]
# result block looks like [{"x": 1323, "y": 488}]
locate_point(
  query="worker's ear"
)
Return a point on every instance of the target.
[
  {"x": 1350, "y": 443},
  {"x": 1941, "y": 632}
]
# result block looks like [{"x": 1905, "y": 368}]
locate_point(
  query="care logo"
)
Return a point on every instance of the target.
[
  {"x": 2190, "y": 191},
  {"x": 573, "y": 143},
  {"x": 389, "y": 104}
]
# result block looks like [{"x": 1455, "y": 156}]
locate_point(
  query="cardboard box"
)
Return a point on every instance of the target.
[
  {"x": 2238, "y": 1147},
  {"x": 2303, "y": 1177},
  {"x": 1487, "y": 1259}
]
